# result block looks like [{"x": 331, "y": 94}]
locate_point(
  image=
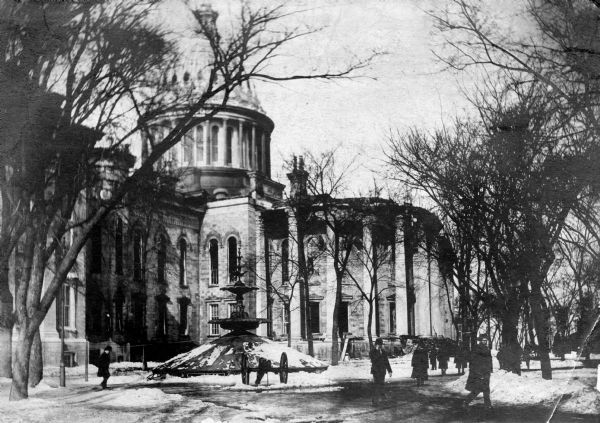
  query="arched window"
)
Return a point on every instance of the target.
[
  {"x": 214, "y": 145},
  {"x": 199, "y": 145},
  {"x": 232, "y": 256},
  {"x": 213, "y": 251},
  {"x": 119, "y": 247},
  {"x": 137, "y": 254},
  {"x": 161, "y": 262},
  {"x": 285, "y": 258},
  {"x": 228, "y": 146},
  {"x": 182, "y": 260}
]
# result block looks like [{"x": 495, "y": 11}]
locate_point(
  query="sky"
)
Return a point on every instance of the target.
[{"x": 406, "y": 86}]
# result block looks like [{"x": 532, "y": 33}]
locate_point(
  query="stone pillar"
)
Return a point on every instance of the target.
[
  {"x": 400, "y": 280},
  {"x": 222, "y": 142},
  {"x": 261, "y": 294},
  {"x": 421, "y": 281},
  {"x": 330, "y": 288},
  {"x": 268, "y": 155},
  {"x": 263, "y": 150},
  {"x": 296, "y": 307},
  {"x": 366, "y": 284},
  {"x": 236, "y": 148},
  {"x": 205, "y": 138},
  {"x": 253, "y": 148},
  {"x": 195, "y": 146}
]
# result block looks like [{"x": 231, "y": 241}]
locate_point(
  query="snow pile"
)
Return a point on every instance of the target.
[
  {"x": 530, "y": 388},
  {"x": 142, "y": 397}
]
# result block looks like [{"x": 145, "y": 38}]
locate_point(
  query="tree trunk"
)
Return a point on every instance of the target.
[
  {"x": 36, "y": 363},
  {"x": 288, "y": 324},
  {"x": 20, "y": 367},
  {"x": 305, "y": 294},
  {"x": 541, "y": 318},
  {"x": 335, "y": 345},
  {"x": 510, "y": 351},
  {"x": 6, "y": 323}
]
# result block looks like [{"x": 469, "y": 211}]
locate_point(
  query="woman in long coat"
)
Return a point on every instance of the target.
[
  {"x": 480, "y": 369},
  {"x": 103, "y": 364},
  {"x": 420, "y": 364}
]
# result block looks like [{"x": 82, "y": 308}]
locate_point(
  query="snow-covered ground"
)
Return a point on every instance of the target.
[{"x": 134, "y": 398}]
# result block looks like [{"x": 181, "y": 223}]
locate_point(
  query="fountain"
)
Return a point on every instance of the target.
[{"x": 239, "y": 351}]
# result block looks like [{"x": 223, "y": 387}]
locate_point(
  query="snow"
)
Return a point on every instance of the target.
[
  {"x": 139, "y": 398},
  {"x": 530, "y": 388}
]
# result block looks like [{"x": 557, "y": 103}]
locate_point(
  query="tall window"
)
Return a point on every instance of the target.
[
  {"x": 392, "y": 317},
  {"x": 315, "y": 316},
  {"x": 343, "y": 318},
  {"x": 232, "y": 256},
  {"x": 161, "y": 259},
  {"x": 228, "y": 146},
  {"x": 68, "y": 307},
  {"x": 285, "y": 320},
  {"x": 162, "y": 328},
  {"x": 96, "y": 253},
  {"x": 119, "y": 247},
  {"x": 214, "y": 145},
  {"x": 137, "y": 254},
  {"x": 119, "y": 300},
  {"x": 182, "y": 260},
  {"x": 213, "y": 251},
  {"x": 285, "y": 260},
  {"x": 188, "y": 148},
  {"x": 259, "y": 150},
  {"x": 213, "y": 313},
  {"x": 183, "y": 316},
  {"x": 199, "y": 144}
]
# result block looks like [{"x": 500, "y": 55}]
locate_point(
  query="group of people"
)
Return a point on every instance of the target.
[{"x": 479, "y": 360}]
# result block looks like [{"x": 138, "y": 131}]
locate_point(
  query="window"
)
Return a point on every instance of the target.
[
  {"x": 96, "y": 252},
  {"x": 285, "y": 259},
  {"x": 199, "y": 145},
  {"x": 162, "y": 328},
  {"x": 182, "y": 260},
  {"x": 315, "y": 324},
  {"x": 161, "y": 259},
  {"x": 137, "y": 255},
  {"x": 285, "y": 317},
  {"x": 343, "y": 318},
  {"x": 232, "y": 257},
  {"x": 214, "y": 145},
  {"x": 259, "y": 150},
  {"x": 183, "y": 316},
  {"x": 392, "y": 305},
  {"x": 119, "y": 247},
  {"x": 213, "y": 313},
  {"x": 230, "y": 309},
  {"x": 68, "y": 308},
  {"x": 213, "y": 251},
  {"x": 119, "y": 300},
  {"x": 228, "y": 146}
]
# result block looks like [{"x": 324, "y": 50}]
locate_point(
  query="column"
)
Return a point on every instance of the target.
[
  {"x": 400, "y": 273},
  {"x": 222, "y": 138},
  {"x": 366, "y": 284},
  {"x": 296, "y": 306},
  {"x": 330, "y": 286},
  {"x": 268, "y": 155},
  {"x": 253, "y": 148},
  {"x": 235, "y": 149},
  {"x": 263, "y": 149},
  {"x": 205, "y": 131},
  {"x": 243, "y": 158},
  {"x": 195, "y": 147}
]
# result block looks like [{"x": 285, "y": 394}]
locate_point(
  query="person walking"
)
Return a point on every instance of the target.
[
  {"x": 443, "y": 358},
  {"x": 103, "y": 364},
  {"x": 460, "y": 360},
  {"x": 420, "y": 364},
  {"x": 480, "y": 369},
  {"x": 379, "y": 365},
  {"x": 433, "y": 357}
]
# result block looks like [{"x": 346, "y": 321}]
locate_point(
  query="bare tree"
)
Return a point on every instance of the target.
[{"x": 105, "y": 60}]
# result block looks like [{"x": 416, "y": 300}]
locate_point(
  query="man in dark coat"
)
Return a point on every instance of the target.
[
  {"x": 433, "y": 357},
  {"x": 379, "y": 365},
  {"x": 480, "y": 369},
  {"x": 443, "y": 358},
  {"x": 460, "y": 360},
  {"x": 103, "y": 363},
  {"x": 420, "y": 364}
]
